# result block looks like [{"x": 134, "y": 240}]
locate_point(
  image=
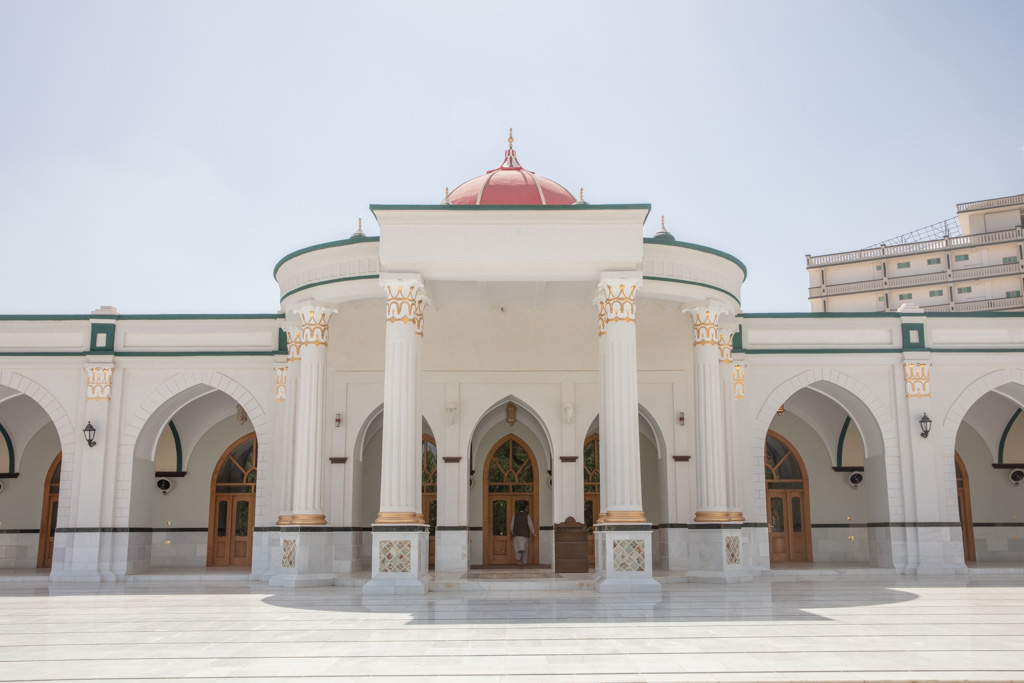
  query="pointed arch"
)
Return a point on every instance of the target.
[{"x": 493, "y": 415}]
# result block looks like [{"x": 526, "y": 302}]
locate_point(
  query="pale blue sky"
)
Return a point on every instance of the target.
[{"x": 162, "y": 156}]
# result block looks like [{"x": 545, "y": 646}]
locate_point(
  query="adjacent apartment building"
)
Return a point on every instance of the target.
[{"x": 974, "y": 262}]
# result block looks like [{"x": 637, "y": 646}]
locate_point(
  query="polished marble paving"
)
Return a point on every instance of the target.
[{"x": 845, "y": 628}]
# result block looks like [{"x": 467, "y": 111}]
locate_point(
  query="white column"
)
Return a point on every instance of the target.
[
  {"x": 286, "y": 381},
  {"x": 308, "y": 456},
  {"x": 400, "y": 479},
  {"x": 620, "y": 430},
  {"x": 725, "y": 335},
  {"x": 712, "y": 491}
]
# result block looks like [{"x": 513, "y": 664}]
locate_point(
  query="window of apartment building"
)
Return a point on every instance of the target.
[
  {"x": 962, "y": 257},
  {"x": 904, "y": 297},
  {"x": 934, "y": 261},
  {"x": 935, "y": 292},
  {"x": 903, "y": 264},
  {"x": 878, "y": 267},
  {"x": 1009, "y": 259},
  {"x": 882, "y": 298},
  {"x": 963, "y": 290},
  {"x": 1015, "y": 294}
]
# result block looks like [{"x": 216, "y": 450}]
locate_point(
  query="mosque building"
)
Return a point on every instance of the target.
[{"x": 511, "y": 345}]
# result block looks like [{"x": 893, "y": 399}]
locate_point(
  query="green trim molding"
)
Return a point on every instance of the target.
[
  {"x": 698, "y": 247},
  {"x": 106, "y": 329},
  {"x": 842, "y": 440},
  {"x": 10, "y": 449},
  {"x": 325, "y": 245},
  {"x": 177, "y": 445},
  {"x": 1006, "y": 433},
  {"x": 908, "y": 330},
  {"x": 330, "y": 282},
  {"x": 691, "y": 282}
]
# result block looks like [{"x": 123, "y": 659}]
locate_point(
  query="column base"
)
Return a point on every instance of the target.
[
  {"x": 451, "y": 550},
  {"x": 716, "y": 554},
  {"x": 713, "y": 517},
  {"x": 306, "y": 559},
  {"x": 623, "y": 555},
  {"x": 403, "y": 518},
  {"x": 307, "y": 520},
  {"x": 400, "y": 555},
  {"x": 284, "y": 520}
]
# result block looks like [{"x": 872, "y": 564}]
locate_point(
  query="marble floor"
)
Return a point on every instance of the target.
[{"x": 847, "y": 628}]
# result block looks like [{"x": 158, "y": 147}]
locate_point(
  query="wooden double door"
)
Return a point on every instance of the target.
[
  {"x": 788, "y": 498},
  {"x": 48, "y": 519},
  {"x": 233, "y": 506},
  {"x": 511, "y": 472}
]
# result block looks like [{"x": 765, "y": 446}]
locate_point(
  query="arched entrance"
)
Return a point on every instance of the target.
[
  {"x": 511, "y": 479},
  {"x": 591, "y": 489},
  {"x": 48, "y": 519},
  {"x": 429, "y": 488},
  {"x": 963, "y": 497},
  {"x": 232, "y": 506},
  {"x": 787, "y": 496}
]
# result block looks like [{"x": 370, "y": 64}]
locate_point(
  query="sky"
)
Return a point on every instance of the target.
[{"x": 161, "y": 157}]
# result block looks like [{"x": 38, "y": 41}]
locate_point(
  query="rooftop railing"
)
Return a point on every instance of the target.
[
  {"x": 942, "y": 277},
  {"x": 944, "y": 244},
  {"x": 991, "y": 203}
]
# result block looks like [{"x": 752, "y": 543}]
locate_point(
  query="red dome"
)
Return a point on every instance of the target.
[{"x": 510, "y": 184}]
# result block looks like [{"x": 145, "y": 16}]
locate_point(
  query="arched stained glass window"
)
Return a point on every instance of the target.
[{"x": 238, "y": 470}]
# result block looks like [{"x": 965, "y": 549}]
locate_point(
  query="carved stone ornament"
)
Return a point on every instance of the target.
[
  {"x": 280, "y": 383},
  {"x": 739, "y": 373},
  {"x": 314, "y": 324},
  {"x": 567, "y": 412},
  {"x": 616, "y": 301},
  {"x": 705, "y": 327},
  {"x": 406, "y": 300},
  {"x": 294, "y": 334}
]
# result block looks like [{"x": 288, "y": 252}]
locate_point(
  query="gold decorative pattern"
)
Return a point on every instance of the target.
[
  {"x": 294, "y": 334},
  {"x": 288, "y": 553},
  {"x": 739, "y": 374},
  {"x": 732, "y": 549},
  {"x": 314, "y": 325},
  {"x": 629, "y": 555},
  {"x": 602, "y": 316},
  {"x": 705, "y": 327},
  {"x": 405, "y": 303},
  {"x": 725, "y": 345},
  {"x": 394, "y": 556},
  {"x": 918, "y": 376},
  {"x": 620, "y": 306},
  {"x": 280, "y": 383},
  {"x": 98, "y": 383}
]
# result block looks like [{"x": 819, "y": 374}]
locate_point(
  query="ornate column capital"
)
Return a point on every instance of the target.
[
  {"x": 615, "y": 298},
  {"x": 281, "y": 382},
  {"x": 406, "y": 299},
  {"x": 739, "y": 374},
  {"x": 314, "y": 317},
  {"x": 918, "y": 377},
  {"x": 706, "y": 317},
  {"x": 725, "y": 333}
]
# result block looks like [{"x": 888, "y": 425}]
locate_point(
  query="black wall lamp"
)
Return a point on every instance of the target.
[
  {"x": 90, "y": 434},
  {"x": 926, "y": 425}
]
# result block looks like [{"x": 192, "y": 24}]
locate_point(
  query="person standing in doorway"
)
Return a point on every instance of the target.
[{"x": 521, "y": 530}]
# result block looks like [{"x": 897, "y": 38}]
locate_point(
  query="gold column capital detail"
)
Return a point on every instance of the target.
[
  {"x": 294, "y": 334},
  {"x": 406, "y": 299},
  {"x": 314, "y": 324},
  {"x": 918, "y": 378},
  {"x": 739, "y": 376},
  {"x": 99, "y": 380}
]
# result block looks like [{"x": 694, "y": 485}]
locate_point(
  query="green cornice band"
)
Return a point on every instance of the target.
[
  {"x": 691, "y": 282},
  {"x": 698, "y": 247},
  {"x": 325, "y": 245},
  {"x": 329, "y": 282}
]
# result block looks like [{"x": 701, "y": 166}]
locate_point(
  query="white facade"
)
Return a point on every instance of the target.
[
  {"x": 531, "y": 327},
  {"x": 980, "y": 270}
]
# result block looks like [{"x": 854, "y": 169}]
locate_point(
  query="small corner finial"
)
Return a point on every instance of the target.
[
  {"x": 663, "y": 222},
  {"x": 359, "y": 231},
  {"x": 446, "y": 194},
  {"x": 361, "y": 222},
  {"x": 581, "y": 194},
  {"x": 510, "y": 139}
]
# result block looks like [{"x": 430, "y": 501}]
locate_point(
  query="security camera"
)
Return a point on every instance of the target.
[
  {"x": 164, "y": 485},
  {"x": 855, "y": 479},
  {"x": 1016, "y": 476}
]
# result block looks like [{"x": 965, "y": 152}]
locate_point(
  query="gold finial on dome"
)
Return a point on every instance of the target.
[
  {"x": 663, "y": 222},
  {"x": 359, "y": 232},
  {"x": 446, "y": 193},
  {"x": 447, "y": 199},
  {"x": 581, "y": 194},
  {"x": 510, "y": 138}
]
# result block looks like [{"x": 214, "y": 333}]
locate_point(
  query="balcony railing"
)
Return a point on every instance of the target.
[
  {"x": 944, "y": 244},
  {"x": 942, "y": 277},
  {"x": 991, "y": 203},
  {"x": 983, "y": 305}
]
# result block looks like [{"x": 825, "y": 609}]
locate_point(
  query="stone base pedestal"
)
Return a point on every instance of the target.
[
  {"x": 624, "y": 558},
  {"x": 95, "y": 555},
  {"x": 400, "y": 555},
  {"x": 306, "y": 559},
  {"x": 451, "y": 550},
  {"x": 716, "y": 554}
]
